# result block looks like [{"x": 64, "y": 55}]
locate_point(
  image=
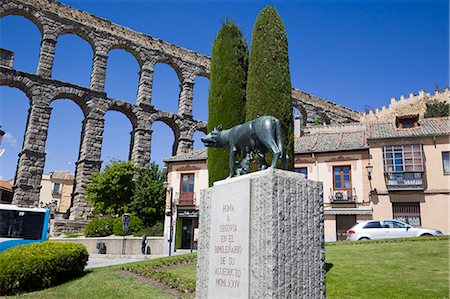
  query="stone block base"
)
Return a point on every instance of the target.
[
  {"x": 61, "y": 226},
  {"x": 262, "y": 236}
]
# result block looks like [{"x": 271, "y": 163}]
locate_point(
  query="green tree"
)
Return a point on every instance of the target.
[
  {"x": 110, "y": 191},
  {"x": 124, "y": 188},
  {"x": 226, "y": 103},
  {"x": 437, "y": 109},
  {"x": 269, "y": 90},
  {"x": 148, "y": 201}
]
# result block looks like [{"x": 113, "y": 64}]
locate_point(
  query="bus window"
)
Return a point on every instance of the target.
[{"x": 19, "y": 224}]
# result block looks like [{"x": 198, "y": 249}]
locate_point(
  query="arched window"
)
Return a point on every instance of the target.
[
  {"x": 116, "y": 137},
  {"x": 122, "y": 76},
  {"x": 25, "y": 46},
  {"x": 14, "y": 111},
  {"x": 165, "y": 88},
  {"x": 200, "y": 101},
  {"x": 73, "y": 60}
]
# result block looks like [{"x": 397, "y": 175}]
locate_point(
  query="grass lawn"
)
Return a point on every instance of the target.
[
  {"x": 185, "y": 271},
  {"x": 100, "y": 283},
  {"x": 413, "y": 268},
  {"x": 403, "y": 269}
]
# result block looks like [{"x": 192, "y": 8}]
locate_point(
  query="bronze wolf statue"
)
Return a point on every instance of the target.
[{"x": 260, "y": 135}]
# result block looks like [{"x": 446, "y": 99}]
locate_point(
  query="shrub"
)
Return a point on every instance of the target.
[
  {"x": 40, "y": 265},
  {"x": 226, "y": 101},
  {"x": 437, "y": 109},
  {"x": 269, "y": 90},
  {"x": 99, "y": 227},
  {"x": 134, "y": 226},
  {"x": 156, "y": 230}
]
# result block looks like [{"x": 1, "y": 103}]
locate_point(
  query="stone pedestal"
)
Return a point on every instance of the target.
[{"x": 261, "y": 235}]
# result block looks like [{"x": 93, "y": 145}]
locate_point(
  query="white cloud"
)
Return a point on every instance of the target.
[{"x": 9, "y": 139}]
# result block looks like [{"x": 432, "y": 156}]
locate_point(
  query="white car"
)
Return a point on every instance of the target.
[{"x": 384, "y": 229}]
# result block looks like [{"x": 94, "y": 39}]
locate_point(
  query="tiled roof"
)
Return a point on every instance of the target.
[
  {"x": 6, "y": 186},
  {"x": 331, "y": 139},
  {"x": 192, "y": 156},
  {"x": 427, "y": 127}
]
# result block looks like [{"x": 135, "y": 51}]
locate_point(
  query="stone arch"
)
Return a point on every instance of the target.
[
  {"x": 137, "y": 53},
  {"x": 324, "y": 117},
  {"x": 79, "y": 97},
  {"x": 201, "y": 126},
  {"x": 170, "y": 120},
  {"x": 27, "y": 13},
  {"x": 125, "y": 108},
  {"x": 173, "y": 63},
  {"x": 24, "y": 84},
  {"x": 304, "y": 114},
  {"x": 81, "y": 32}
]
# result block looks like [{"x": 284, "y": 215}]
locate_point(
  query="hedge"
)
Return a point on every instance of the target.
[
  {"x": 40, "y": 265},
  {"x": 99, "y": 227}
]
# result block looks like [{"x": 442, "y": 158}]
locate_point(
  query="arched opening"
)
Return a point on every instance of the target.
[
  {"x": 200, "y": 101},
  {"x": 165, "y": 88},
  {"x": 14, "y": 113},
  {"x": 319, "y": 119},
  {"x": 299, "y": 116},
  {"x": 26, "y": 46},
  {"x": 122, "y": 76},
  {"x": 198, "y": 144},
  {"x": 73, "y": 60},
  {"x": 116, "y": 138},
  {"x": 62, "y": 146},
  {"x": 163, "y": 142}
]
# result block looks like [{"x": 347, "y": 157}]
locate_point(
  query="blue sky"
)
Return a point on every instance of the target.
[{"x": 354, "y": 53}]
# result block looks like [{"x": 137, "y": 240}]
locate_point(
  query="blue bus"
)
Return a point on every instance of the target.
[{"x": 19, "y": 226}]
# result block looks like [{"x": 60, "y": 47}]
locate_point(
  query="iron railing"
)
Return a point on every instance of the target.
[{"x": 404, "y": 181}]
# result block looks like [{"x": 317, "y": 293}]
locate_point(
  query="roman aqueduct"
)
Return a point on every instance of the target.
[{"x": 54, "y": 20}]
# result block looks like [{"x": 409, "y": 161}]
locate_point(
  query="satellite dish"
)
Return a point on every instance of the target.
[{"x": 2, "y": 150}]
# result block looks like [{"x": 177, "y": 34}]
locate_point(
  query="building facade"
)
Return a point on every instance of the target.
[
  {"x": 56, "y": 191},
  {"x": 394, "y": 164}
]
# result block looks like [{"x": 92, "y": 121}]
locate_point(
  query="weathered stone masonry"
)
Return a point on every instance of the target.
[{"x": 55, "y": 19}]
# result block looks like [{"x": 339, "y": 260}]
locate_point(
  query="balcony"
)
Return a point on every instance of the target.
[
  {"x": 185, "y": 198},
  {"x": 343, "y": 196},
  {"x": 404, "y": 181}
]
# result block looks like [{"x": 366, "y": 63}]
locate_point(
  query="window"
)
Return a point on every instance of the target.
[
  {"x": 403, "y": 158},
  {"x": 373, "y": 224},
  {"x": 342, "y": 178},
  {"x": 446, "y": 162},
  {"x": 187, "y": 183},
  {"x": 19, "y": 224},
  {"x": 393, "y": 224},
  {"x": 408, "y": 212},
  {"x": 407, "y": 122},
  {"x": 57, "y": 188},
  {"x": 403, "y": 165},
  {"x": 302, "y": 170}
]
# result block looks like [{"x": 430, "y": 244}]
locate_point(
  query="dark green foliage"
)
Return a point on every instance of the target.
[
  {"x": 148, "y": 201},
  {"x": 437, "y": 109},
  {"x": 156, "y": 230},
  {"x": 269, "y": 90},
  {"x": 134, "y": 226},
  {"x": 124, "y": 188},
  {"x": 110, "y": 191},
  {"x": 99, "y": 227},
  {"x": 40, "y": 265},
  {"x": 226, "y": 103}
]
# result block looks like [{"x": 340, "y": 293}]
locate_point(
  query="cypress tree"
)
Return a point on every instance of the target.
[
  {"x": 226, "y": 102},
  {"x": 269, "y": 90}
]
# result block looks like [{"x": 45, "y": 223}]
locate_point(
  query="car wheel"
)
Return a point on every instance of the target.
[
  {"x": 426, "y": 235},
  {"x": 363, "y": 239}
]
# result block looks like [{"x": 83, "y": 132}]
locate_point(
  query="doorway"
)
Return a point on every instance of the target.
[{"x": 344, "y": 223}]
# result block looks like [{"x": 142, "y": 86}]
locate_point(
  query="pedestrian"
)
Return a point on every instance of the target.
[{"x": 144, "y": 244}]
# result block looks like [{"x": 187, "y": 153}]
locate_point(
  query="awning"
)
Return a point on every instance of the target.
[{"x": 348, "y": 211}]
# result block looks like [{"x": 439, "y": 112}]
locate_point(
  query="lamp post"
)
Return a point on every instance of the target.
[
  {"x": 369, "y": 169},
  {"x": 169, "y": 213}
]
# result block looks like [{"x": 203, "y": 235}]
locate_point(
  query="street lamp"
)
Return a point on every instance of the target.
[
  {"x": 369, "y": 169},
  {"x": 170, "y": 212}
]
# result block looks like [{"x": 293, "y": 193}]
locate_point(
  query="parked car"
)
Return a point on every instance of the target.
[{"x": 375, "y": 229}]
